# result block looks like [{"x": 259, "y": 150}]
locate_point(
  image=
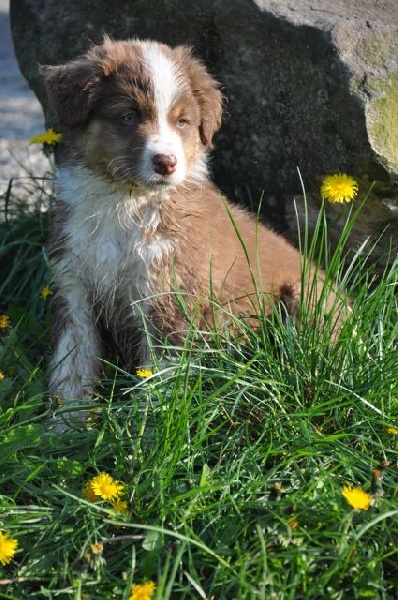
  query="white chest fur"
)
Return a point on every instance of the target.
[{"x": 114, "y": 244}]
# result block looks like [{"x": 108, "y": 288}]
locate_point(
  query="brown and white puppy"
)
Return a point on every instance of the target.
[{"x": 137, "y": 220}]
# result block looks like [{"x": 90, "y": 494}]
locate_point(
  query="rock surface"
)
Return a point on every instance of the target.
[{"x": 310, "y": 84}]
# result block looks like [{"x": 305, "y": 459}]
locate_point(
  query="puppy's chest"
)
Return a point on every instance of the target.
[{"x": 115, "y": 256}]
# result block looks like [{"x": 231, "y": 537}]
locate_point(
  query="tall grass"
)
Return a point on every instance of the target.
[{"x": 233, "y": 461}]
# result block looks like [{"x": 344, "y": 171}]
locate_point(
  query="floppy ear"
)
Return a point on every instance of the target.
[
  {"x": 72, "y": 89},
  {"x": 208, "y": 96},
  {"x": 210, "y": 101}
]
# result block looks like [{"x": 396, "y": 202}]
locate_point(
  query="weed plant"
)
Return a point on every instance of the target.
[{"x": 233, "y": 459}]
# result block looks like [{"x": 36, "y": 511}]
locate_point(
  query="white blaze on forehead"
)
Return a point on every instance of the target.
[
  {"x": 166, "y": 79},
  {"x": 168, "y": 82}
]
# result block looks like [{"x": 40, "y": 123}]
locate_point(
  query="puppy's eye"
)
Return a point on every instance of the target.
[
  {"x": 181, "y": 123},
  {"x": 130, "y": 117}
]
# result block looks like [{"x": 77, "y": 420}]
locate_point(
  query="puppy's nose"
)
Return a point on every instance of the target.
[{"x": 164, "y": 164}]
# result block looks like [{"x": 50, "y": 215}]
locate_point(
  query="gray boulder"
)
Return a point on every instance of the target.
[{"x": 311, "y": 84}]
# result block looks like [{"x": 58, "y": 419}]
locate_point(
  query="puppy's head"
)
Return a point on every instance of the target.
[{"x": 140, "y": 112}]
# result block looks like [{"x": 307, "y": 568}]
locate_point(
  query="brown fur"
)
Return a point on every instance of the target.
[{"x": 212, "y": 266}]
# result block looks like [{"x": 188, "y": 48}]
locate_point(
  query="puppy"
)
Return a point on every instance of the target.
[{"x": 137, "y": 223}]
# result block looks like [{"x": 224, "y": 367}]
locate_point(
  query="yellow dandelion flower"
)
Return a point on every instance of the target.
[
  {"x": 339, "y": 188},
  {"x": 2, "y": 376},
  {"x": 89, "y": 493},
  {"x": 121, "y": 507},
  {"x": 50, "y": 137},
  {"x": 293, "y": 523},
  {"x": 5, "y": 322},
  {"x": 94, "y": 558},
  {"x": 45, "y": 291},
  {"x": 8, "y": 547},
  {"x": 97, "y": 548},
  {"x": 143, "y": 591},
  {"x": 144, "y": 372},
  {"x": 392, "y": 430},
  {"x": 357, "y": 498},
  {"x": 103, "y": 486}
]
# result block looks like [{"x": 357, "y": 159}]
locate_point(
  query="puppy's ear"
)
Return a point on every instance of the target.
[
  {"x": 206, "y": 91},
  {"x": 73, "y": 89},
  {"x": 210, "y": 100}
]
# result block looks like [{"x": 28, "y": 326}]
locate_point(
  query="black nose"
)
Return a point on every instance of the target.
[{"x": 164, "y": 164}]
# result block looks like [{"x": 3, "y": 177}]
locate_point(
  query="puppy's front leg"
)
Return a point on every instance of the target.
[{"x": 74, "y": 364}]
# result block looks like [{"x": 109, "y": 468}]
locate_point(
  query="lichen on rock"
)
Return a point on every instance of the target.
[{"x": 382, "y": 120}]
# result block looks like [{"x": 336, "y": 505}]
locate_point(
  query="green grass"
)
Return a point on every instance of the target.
[{"x": 233, "y": 463}]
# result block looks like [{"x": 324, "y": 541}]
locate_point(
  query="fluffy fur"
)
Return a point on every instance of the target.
[{"x": 137, "y": 218}]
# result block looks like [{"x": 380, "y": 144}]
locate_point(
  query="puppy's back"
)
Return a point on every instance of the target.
[{"x": 224, "y": 255}]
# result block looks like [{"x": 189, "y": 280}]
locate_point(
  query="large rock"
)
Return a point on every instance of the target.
[{"x": 311, "y": 84}]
